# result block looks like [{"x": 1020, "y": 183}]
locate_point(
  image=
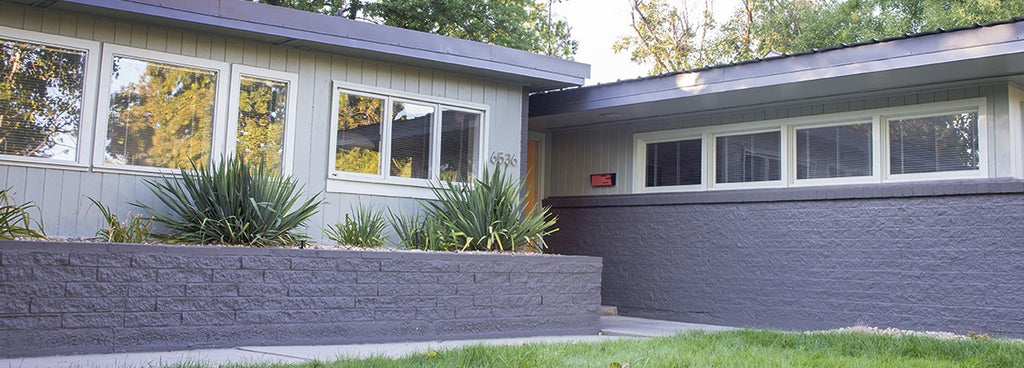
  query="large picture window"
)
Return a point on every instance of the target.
[
  {"x": 399, "y": 139},
  {"x": 160, "y": 114},
  {"x": 41, "y": 97}
]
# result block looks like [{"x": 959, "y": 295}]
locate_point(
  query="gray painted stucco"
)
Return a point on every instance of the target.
[
  {"x": 61, "y": 298},
  {"x": 926, "y": 256}
]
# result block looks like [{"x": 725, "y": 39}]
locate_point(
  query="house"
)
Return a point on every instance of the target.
[
  {"x": 876, "y": 183},
  {"x": 100, "y": 96}
]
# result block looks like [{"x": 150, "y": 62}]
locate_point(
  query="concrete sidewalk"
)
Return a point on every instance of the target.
[{"x": 612, "y": 327}]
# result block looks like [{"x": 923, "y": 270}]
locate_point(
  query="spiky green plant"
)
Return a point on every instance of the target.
[
  {"x": 137, "y": 229},
  {"x": 421, "y": 232},
  {"x": 15, "y": 221},
  {"x": 364, "y": 229},
  {"x": 232, "y": 203},
  {"x": 489, "y": 214}
]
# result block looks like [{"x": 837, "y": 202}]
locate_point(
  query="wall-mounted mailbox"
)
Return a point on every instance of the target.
[{"x": 602, "y": 180}]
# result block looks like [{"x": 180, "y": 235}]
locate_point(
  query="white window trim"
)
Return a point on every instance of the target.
[
  {"x": 640, "y": 159},
  {"x": 382, "y": 183},
  {"x": 219, "y": 128},
  {"x": 783, "y": 159},
  {"x": 83, "y": 149},
  {"x": 287, "y": 142},
  {"x": 875, "y": 159},
  {"x": 788, "y": 127},
  {"x": 983, "y": 156}
]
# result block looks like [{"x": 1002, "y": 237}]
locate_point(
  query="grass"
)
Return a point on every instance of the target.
[{"x": 742, "y": 348}]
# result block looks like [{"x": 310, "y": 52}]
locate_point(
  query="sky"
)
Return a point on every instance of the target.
[{"x": 597, "y": 24}]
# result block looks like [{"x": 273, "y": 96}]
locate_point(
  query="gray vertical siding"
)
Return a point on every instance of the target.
[
  {"x": 577, "y": 153},
  {"x": 62, "y": 193}
]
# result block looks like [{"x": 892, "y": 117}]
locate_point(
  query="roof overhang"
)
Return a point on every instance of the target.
[
  {"x": 305, "y": 30},
  {"x": 990, "y": 52}
]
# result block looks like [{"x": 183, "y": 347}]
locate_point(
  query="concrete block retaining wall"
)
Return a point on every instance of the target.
[
  {"x": 945, "y": 256},
  {"x": 60, "y": 298}
]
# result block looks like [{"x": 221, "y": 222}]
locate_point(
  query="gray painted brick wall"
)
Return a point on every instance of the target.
[
  {"x": 60, "y": 298},
  {"x": 926, "y": 256}
]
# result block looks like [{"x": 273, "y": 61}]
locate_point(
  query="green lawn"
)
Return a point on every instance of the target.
[{"x": 745, "y": 348}]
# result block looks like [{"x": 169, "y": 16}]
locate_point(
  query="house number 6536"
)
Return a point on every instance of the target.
[{"x": 506, "y": 158}]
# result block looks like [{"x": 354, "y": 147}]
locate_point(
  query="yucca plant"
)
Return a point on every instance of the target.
[
  {"x": 489, "y": 214},
  {"x": 421, "y": 232},
  {"x": 232, "y": 203},
  {"x": 364, "y": 229},
  {"x": 137, "y": 229},
  {"x": 15, "y": 220}
]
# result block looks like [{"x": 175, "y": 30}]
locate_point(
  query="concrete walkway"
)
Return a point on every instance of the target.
[{"x": 612, "y": 327}]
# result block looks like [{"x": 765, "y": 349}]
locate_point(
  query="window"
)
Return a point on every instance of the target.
[
  {"x": 834, "y": 151},
  {"x": 748, "y": 158},
  {"x": 674, "y": 163},
  {"x": 460, "y": 131},
  {"x": 359, "y": 132},
  {"x": 943, "y": 140},
  {"x": 934, "y": 143},
  {"x": 160, "y": 111},
  {"x": 42, "y": 89},
  {"x": 411, "y": 125},
  {"x": 261, "y": 120},
  {"x": 385, "y": 137}
]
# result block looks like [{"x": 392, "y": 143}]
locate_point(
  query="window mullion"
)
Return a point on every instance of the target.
[{"x": 385, "y": 142}]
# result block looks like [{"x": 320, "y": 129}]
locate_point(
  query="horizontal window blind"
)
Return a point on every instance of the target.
[
  {"x": 674, "y": 163},
  {"x": 834, "y": 152},
  {"x": 748, "y": 158}
]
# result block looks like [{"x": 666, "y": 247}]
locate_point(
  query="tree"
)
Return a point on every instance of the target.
[
  {"x": 520, "y": 24},
  {"x": 759, "y": 27}
]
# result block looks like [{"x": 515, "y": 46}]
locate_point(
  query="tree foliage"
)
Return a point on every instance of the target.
[
  {"x": 521, "y": 24},
  {"x": 671, "y": 41}
]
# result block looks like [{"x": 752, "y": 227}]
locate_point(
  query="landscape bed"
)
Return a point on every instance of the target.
[{"x": 82, "y": 297}]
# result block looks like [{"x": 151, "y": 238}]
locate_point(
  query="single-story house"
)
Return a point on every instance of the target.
[
  {"x": 877, "y": 183},
  {"x": 99, "y": 96}
]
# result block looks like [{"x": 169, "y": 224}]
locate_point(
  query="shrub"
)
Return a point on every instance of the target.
[
  {"x": 489, "y": 214},
  {"x": 421, "y": 232},
  {"x": 15, "y": 221},
  {"x": 364, "y": 229},
  {"x": 232, "y": 203},
  {"x": 137, "y": 229}
]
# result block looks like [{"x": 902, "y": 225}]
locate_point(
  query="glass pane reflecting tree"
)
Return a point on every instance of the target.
[
  {"x": 359, "y": 133},
  {"x": 40, "y": 100},
  {"x": 161, "y": 115},
  {"x": 262, "y": 106}
]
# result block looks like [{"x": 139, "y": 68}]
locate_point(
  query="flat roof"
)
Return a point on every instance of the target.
[
  {"x": 977, "y": 52},
  {"x": 291, "y": 27}
]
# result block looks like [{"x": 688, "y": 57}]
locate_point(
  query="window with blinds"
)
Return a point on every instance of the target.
[
  {"x": 674, "y": 163},
  {"x": 41, "y": 93},
  {"x": 410, "y": 139},
  {"x": 160, "y": 114},
  {"x": 937, "y": 143},
  {"x": 460, "y": 132},
  {"x": 834, "y": 152},
  {"x": 748, "y": 157}
]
